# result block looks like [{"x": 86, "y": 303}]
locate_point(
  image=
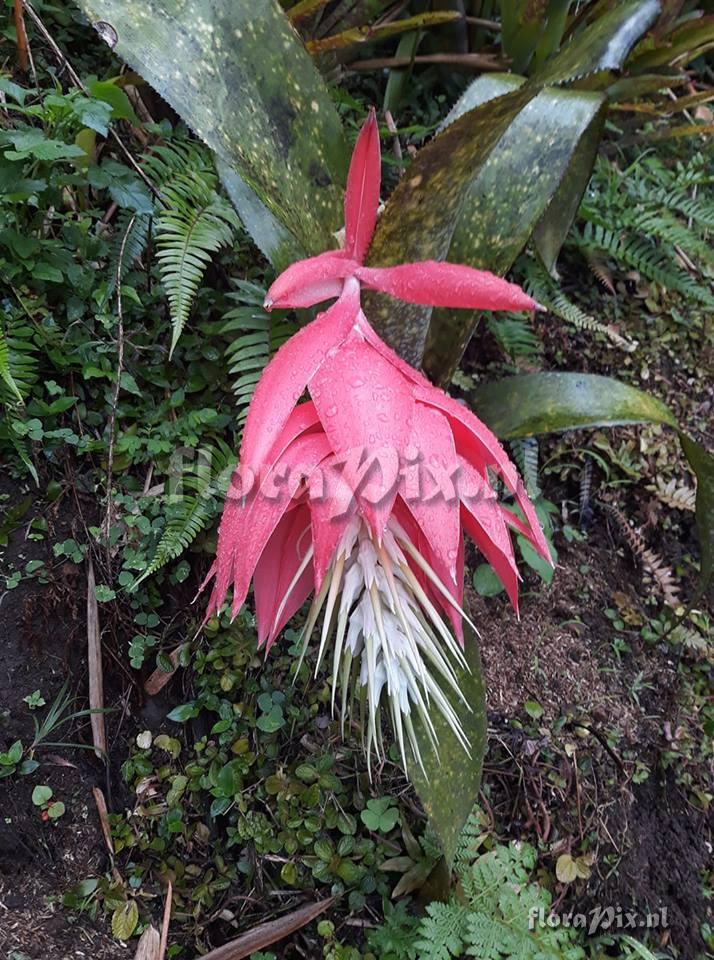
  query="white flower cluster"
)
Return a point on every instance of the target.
[{"x": 390, "y": 643}]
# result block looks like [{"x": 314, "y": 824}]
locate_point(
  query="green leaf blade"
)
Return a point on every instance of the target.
[
  {"x": 450, "y": 787},
  {"x": 237, "y": 73},
  {"x": 536, "y": 403},
  {"x": 516, "y": 183},
  {"x": 604, "y": 45}
]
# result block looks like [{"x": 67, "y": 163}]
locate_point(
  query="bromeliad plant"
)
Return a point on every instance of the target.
[
  {"x": 508, "y": 169},
  {"x": 362, "y": 493}
]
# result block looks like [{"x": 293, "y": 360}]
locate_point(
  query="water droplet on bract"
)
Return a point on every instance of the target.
[
  {"x": 331, "y": 411},
  {"x": 434, "y": 460},
  {"x": 371, "y": 438},
  {"x": 383, "y": 417},
  {"x": 453, "y": 554},
  {"x": 357, "y": 382}
]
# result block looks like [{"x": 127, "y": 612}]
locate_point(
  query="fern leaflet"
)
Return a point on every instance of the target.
[
  {"x": 258, "y": 336},
  {"x": 515, "y": 335},
  {"x": 18, "y": 362},
  {"x": 441, "y": 933},
  {"x": 196, "y": 223},
  {"x": 192, "y": 512}
]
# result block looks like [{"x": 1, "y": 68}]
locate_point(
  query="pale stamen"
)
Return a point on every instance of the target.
[{"x": 386, "y": 627}]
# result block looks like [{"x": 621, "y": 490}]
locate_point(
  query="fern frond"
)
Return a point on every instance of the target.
[
  {"x": 639, "y": 253},
  {"x": 18, "y": 361},
  {"x": 506, "y": 935},
  {"x": 5, "y": 372},
  {"x": 541, "y": 286},
  {"x": 190, "y": 513},
  {"x": 8, "y": 434},
  {"x": 515, "y": 335},
  {"x": 670, "y": 493},
  {"x": 257, "y": 337},
  {"x": 651, "y": 562},
  {"x": 492, "y": 870},
  {"x": 130, "y": 238},
  {"x": 196, "y": 223},
  {"x": 652, "y": 219},
  {"x": 525, "y": 454},
  {"x": 664, "y": 226}
]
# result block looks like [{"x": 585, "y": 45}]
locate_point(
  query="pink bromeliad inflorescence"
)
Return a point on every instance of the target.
[{"x": 361, "y": 494}]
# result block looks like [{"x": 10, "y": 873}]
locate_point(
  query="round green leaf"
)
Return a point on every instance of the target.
[
  {"x": 272, "y": 721},
  {"x": 486, "y": 583},
  {"x": 41, "y": 794},
  {"x": 55, "y": 810}
]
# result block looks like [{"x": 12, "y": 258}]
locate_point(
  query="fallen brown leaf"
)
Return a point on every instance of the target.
[
  {"x": 165, "y": 922},
  {"x": 264, "y": 934},
  {"x": 159, "y": 678},
  {"x": 149, "y": 945},
  {"x": 103, "y": 818},
  {"x": 94, "y": 658}
]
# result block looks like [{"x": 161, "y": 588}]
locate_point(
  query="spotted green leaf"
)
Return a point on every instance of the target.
[
  {"x": 450, "y": 787},
  {"x": 239, "y": 76},
  {"x": 552, "y": 228},
  {"x": 544, "y": 158},
  {"x": 602, "y": 46},
  {"x": 420, "y": 217},
  {"x": 270, "y": 235}
]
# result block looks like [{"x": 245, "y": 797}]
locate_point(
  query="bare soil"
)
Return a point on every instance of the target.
[
  {"x": 653, "y": 846},
  {"x": 43, "y": 644}
]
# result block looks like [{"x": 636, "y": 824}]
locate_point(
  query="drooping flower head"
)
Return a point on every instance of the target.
[{"x": 360, "y": 493}]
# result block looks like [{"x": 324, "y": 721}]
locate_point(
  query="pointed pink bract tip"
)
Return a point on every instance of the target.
[{"x": 362, "y": 193}]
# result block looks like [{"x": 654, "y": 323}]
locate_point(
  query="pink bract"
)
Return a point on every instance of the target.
[{"x": 362, "y": 493}]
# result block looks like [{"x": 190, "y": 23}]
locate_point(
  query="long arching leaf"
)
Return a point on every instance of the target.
[
  {"x": 449, "y": 787},
  {"x": 603, "y": 46},
  {"x": 538, "y": 403}
]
